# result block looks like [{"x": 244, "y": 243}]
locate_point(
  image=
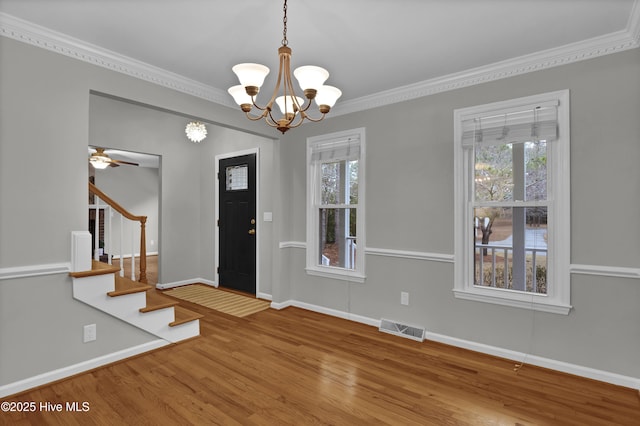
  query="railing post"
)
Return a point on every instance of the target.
[
  {"x": 96, "y": 232},
  {"x": 143, "y": 251},
  {"x": 121, "y": 249}
]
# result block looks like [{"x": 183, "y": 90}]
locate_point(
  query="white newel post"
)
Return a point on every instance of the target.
[{"x": 80, "y": 251}]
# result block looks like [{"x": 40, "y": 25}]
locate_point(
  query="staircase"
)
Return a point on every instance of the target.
[{"x": 134, "y": 302}]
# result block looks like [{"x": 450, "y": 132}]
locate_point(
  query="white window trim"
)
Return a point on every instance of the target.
[
  {"x": 557, "y": 299},
  {"x": 312, "y": 267}
]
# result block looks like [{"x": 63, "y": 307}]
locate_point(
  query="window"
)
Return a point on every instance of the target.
[
  {"x": 512, "y": 203},
  {"x": 335, "y": 205}
]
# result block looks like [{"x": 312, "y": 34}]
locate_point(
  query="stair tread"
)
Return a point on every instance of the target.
[
  {"x": 183, "y": 315},
  {"x": 157, "y": 301},
  {"x": 124, "y": 285},
  {"x": 97, "y": 268}
]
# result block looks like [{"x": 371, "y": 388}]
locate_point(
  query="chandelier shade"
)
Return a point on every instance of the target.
[
  {"x": 327, "y": 96},
  {"x": 240, "y": 95},
  {"x": 251, "y": 75},
  {"x": 311, "y": 77},
  {"x": 294, "y": 108}
]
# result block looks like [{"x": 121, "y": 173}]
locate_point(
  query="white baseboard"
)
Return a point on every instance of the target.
[
  {"x": 165, "y": 286},
  {"x": 264, "y": 296},
  {"x": 517, "y": 357},
  {"x": 62, "y": 373},
  {"x": 327, "y": 311}
]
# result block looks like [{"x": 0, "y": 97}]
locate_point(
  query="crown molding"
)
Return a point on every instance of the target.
[
  {"x": 36, "y": 35},
  {"x": 45, "y": 38},
  {"x": 587, "y": 49}
]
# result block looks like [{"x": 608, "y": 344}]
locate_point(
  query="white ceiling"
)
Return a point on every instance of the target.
[{"x": 370, "y": 47}]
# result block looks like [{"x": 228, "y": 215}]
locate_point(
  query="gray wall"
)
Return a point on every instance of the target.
[
  {"x": 43, "y": 193},
  {"x": 137, "y": 189},
  {"x": 410, "y": 204},
  {"x": 409, "y": 179}
]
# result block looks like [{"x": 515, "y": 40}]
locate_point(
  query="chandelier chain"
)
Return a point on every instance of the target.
[{"x": 284, "y": 22}]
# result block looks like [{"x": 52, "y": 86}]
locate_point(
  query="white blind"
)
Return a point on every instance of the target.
[
  {"x": 535, "y": 122},
  {"x": 336, "y": 150}
]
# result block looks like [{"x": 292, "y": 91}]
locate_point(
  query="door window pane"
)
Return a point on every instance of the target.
[{"x": 237, "y": 177}]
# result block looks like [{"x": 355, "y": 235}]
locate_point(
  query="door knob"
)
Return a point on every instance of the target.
[{"x": 252, "y": 231}]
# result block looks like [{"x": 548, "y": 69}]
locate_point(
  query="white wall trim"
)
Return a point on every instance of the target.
[
  {"x": 574, "y": 268},
  {"x": 45, "y": 38},
  {"x": 587, "y": 49},
  {"x": 81, "y": 367},
  {"x": 607, "y": 271},
  {"x": 327, "y": 311},
  {"x": 34, "y": 270},
  {"x": 165, "y": 286},
  {"x": 517, "y": 357},
  {"x": 36, "y": 35},
  {"x": 520, "y": 357},
  {"x": 293, "y": 244},
  {"x": 406, "y": 254},
  {"x": 264, "y": 296}
]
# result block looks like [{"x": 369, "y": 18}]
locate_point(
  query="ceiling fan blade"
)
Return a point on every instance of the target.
[
  {"x": 113, "y": 164},
  {"x": 124, "y": 162}
]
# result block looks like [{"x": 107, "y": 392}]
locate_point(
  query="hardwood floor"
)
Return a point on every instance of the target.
[{"x": 298, "y": 367}]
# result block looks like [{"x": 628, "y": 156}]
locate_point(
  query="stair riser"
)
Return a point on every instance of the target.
[
  {"x": 181, "y": 332},
  {"x": 93, "y": 290}
]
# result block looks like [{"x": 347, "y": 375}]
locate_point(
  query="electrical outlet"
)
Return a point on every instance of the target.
[
  {"x": 404, "y": 298},
  {"x": 89, "y": 333}
]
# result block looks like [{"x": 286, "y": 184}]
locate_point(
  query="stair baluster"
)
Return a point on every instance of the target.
[{"x": 123, "y": 214}]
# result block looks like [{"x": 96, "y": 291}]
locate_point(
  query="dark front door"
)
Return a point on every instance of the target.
[{"x": 237, "y": 201}]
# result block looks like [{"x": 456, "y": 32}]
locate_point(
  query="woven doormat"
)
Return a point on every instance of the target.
[{"x": 219, "y": 300}]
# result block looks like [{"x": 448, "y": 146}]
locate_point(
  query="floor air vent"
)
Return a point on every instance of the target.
[{"x": 408, "y": 331}]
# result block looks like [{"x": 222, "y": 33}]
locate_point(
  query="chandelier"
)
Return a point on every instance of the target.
[
  {"x": 294, "y": 108},
  {"x": 196, "y": 131}
]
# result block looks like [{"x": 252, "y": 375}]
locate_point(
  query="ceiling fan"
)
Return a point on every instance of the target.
[{"x": 100, "y": 160}]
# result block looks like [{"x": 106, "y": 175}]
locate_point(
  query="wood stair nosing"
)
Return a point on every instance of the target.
[
  {"x": 183, "y": 316},
  {"x": 156, "y": 301},
  {"x": 124, "y": 285},
  {"x": 97, "y": 268}
]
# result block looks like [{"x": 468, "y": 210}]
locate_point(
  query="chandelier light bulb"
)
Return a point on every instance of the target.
[
  {"x": 288, "y": 107},
  {"x": 196, "y": 131}
]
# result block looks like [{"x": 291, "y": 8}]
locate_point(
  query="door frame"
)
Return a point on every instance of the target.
[{"x": 224, "y": 156}]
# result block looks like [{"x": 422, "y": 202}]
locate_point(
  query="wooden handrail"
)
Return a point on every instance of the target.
[{"x": 142, "y": 219}]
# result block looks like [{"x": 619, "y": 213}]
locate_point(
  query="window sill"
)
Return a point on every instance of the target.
[
  {"x": 513, "y": 299},
  {"x": 336, "y": 273}
]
